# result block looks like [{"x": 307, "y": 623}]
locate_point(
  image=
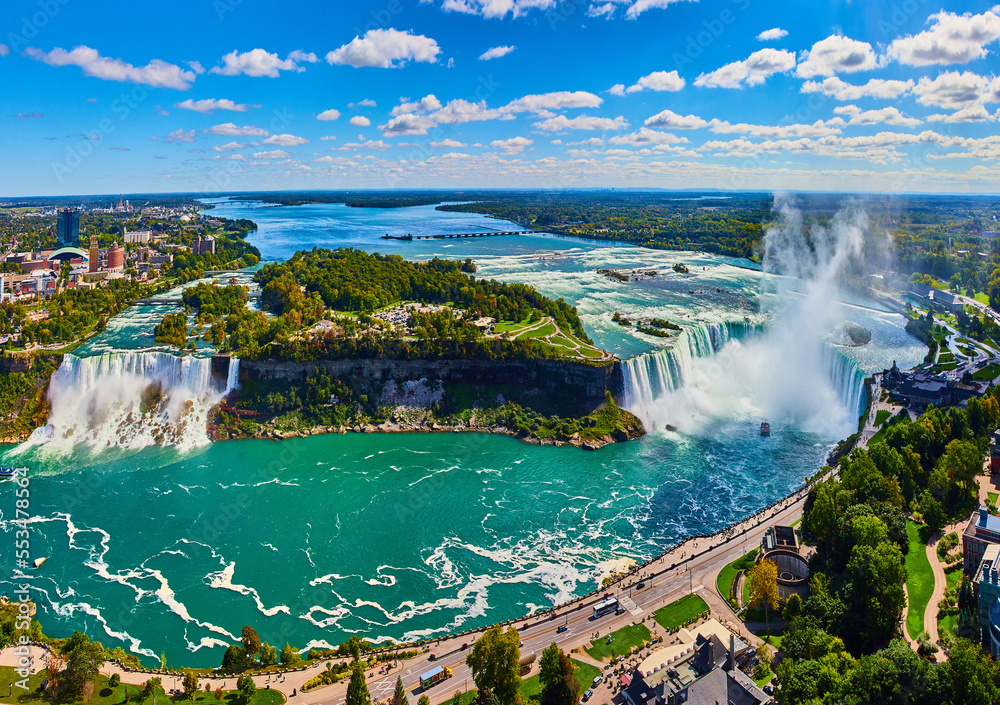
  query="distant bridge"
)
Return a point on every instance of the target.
[{"x": 449, "y": 236}]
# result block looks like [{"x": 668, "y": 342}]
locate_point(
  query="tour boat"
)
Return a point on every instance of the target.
[
  {"x": 39, "y": 561},
  {"x": 11, "y": 472},
  {"x": 765, "y": 429}
]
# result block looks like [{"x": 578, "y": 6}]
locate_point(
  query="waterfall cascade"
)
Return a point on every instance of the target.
[
  {"x": 132, "y": 400},
  {"x": 733, "y": 369}
]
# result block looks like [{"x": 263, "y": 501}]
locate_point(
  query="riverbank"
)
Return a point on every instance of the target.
[{"x": 24, "y": 385}]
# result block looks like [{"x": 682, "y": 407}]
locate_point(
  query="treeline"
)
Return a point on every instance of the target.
[
  {"x": 230, "y": 253},
  {"x": 75, "y": 312},
  {"x": 843, "y": 647},
  {"x": 346, "y": 279}
]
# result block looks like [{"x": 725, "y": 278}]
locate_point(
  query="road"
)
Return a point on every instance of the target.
[{"x": 693, "y": 565}]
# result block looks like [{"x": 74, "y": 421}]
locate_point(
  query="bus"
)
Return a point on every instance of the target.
[
  {"x": 609, "y": 605},
  {"x": 433, "y": 676}
]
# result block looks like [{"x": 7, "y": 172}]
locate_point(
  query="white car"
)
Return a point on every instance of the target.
[{"x": 597, "y": 681}]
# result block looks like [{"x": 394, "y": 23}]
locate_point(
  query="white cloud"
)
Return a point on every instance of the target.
[
  {"x": 274, "y": 154},
  {"x": 180, "y": 136},
  {"x": 228, "y": 147},
  {"x": 888, "y": 116},
  {"x": 976, "y": 113},
  {"x": 424, "y": 105},
  {"x": 673, "y": 121},
  {"x": 330, "y": 114},
  {"x": 875, "y": 88},
  {"x": 300, "y": 56},
  {"x": 770, "y": 35},
  {"x": 209, "y": 104},
  {"x": 449, "y": 143},
  {"x": 836, "y": 54},
  {"x": 407, "y": 124},
  {"x": 952, "y": 90},
  {"x": 558, "y": 100},
  {"x": 366, "y": 103},
  {"x": 158, "y": 74},
  {"x": 285, "y": 140},
  {"x": 644, "y": 137},
  {"x": 460, "y": 111},
  {"x": 952, "y": 39},
  {"x": 641, "y": 6},
  {"x": 4, "y": 50},
  {"x": 752, "y": 71},
  {"x": 258, "y": 62},
  {"x": 228, "y": 129},
  {"x": 617, "y": 89},
  {"x": 494, "y": 9},
  {"x": 817, "y": 129},
  {"x": 496, "y": 52},
  {"x": 583, "y": 122},
  {"x": 360, "y": 121},
  {"x": 658, "y": 81},
  {"x": 386, "y": 48},
  {"x": 603, "y": 10},
  {"x": 514, "y": 145}
]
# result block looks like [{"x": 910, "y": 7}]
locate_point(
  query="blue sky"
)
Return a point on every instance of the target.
[{"x": 216, "y": 95}]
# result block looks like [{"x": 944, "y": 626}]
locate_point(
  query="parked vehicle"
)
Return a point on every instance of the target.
[
  {"x": 586, "y": 696},
  {"x": 597, "y": 681}
]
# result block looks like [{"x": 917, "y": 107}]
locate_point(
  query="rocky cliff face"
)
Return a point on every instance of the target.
[{"x": 581, "y": 384}]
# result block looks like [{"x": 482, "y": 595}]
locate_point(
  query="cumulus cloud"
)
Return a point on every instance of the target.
[
  {"x": 385, "y": 48},
  {"x": 952, "y": 90},
  {"x": 158, "y": 74},
  {"x": 209, "y": 104},
  {"x": 816, "y": 129},
  {"x": 496, "y": 52},
  {"x": 285, "y": 140},
  {"x": 495, "y": 9},
  {"x": 180, "y": 136},
  {"x": 330, "y": 114},
  {"x": 514, "y": 145},
  {"x": 657, "y": 81},
  {"x": 583, "y": 122},
  {"x": 557, "y": 100},
  {"x": 836, "y": 54},
  {"x": 274, "y": 154},
  {"x": 449, "y": 143},
  {"x": 673, "y": 121},
  {"x": 839, "y": 89},
  {"x": 407, "y": 124},
  {"x": 366, "y": 103},
  {"x": 360, "y": 121},
  {"x": 426, "y": 104},
  {"x": 645, "y": 137},
  {"x": 640, "y": 6},
  {"x": 460, "y": 111},
  {"x": 975, "y": 113},
  {"x": 952, "y": 39},
  {"x": 228, "y": 129},
  {"x": 617, "y": 89},
  {"x": 770, "y": 35},
  {"x": 888, "y": 116},
  {"x": 752, "y": 71},
  {"x": 228, "y": 147},
  {"x": 258, "y": 62}
]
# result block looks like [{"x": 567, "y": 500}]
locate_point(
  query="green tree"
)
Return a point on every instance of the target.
[
  {"x": 793, "y": 607},
  {"x": 357, "y": 689},
  {"x": 763, "y": 582},
  {"x": 83, "y": 662},
  {"x": 289, "y": 655},
  {"x": 423, "y": 700},
  {"x": 251, "y": 642},
  {"x": 556, "y": 675},
  {"x": 495, "y": 663},
  {"x": 268, "y": 654},
  {"x": 115, "y": 680},
  {"x": 876, "y": 596},
  {"x": 247, "y": 689},
  {"x": 149, "y": 688},
  {"x": 234, "y": 660},
  {"x": 399, "y": 695},
  {"x": 190, "y": 684}
]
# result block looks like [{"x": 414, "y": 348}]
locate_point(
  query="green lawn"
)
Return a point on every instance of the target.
[
  {"x": 622, "y": 642},
  {"x": 584, "y": 675},
  {"x": 680, "y": 611},
  {"x": 882, "y": 416},
  {"x": 919, "y": 581},
  {"x": 548, "y": 329},
  {"x": 105, "y": 695},
  {"x": 727, "y": 575},
  {"x": 948, "y": 623},
  {"x": 946, "y": 357},
  {"x": 982, "y": 298},
  {"x": 987, "y": 373},
  {"x": 774, "y": 640},
  {"x": 992, "y": 496}
]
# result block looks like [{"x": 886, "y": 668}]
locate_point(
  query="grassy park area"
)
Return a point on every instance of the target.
[
  {"x": 728, "y": 574},
  {"x": 919, "y": 581},
  {"x": 948, "y": 623},
  {"x": 584, "y": 675},
  {"x": 882, "y": 416},
  {"x": 622, "y": 642},
  {"x": 680, "y": 611},
  {"x": 988, "y": 373}
]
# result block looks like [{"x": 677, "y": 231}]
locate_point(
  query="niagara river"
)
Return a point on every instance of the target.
[{"x": 160, "y": 541}]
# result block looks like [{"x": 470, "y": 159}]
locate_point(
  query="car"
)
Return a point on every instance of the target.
[
  {"x": 562, "y": 628},
  {"x": 432, "y": 657},
  {"x": 640, "y": 586},
  {"x": 586, "y": 696},
  {"x": 465, "y": 646},
  {"x": 768, "y": 689},
  {"x": 597, "y": 681},
  {"x": 520, "y": 644},
  {"x": 751, "y": 652}
]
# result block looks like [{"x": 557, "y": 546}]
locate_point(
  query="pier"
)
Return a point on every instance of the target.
[{"x": 449, "y": 236}]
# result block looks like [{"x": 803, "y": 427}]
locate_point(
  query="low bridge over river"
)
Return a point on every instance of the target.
[{"x": 448, "y": 236}]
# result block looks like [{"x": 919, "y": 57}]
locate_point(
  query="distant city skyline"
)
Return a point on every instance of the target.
[{"x": 223, "y": 95}]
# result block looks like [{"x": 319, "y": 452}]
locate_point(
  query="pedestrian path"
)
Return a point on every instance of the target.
[{"x": 629, "y": 604}]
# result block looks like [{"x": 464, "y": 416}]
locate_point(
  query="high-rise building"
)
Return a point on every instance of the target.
[
  {"x": 95, "y": 256},
  {"x": 203, "y": 246},
  {"x": 68, "y": 228},
  {"x": 116, "y": 258}
]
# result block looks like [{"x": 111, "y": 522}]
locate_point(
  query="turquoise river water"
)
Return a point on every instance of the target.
[{"x": 160, "y": 541}]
